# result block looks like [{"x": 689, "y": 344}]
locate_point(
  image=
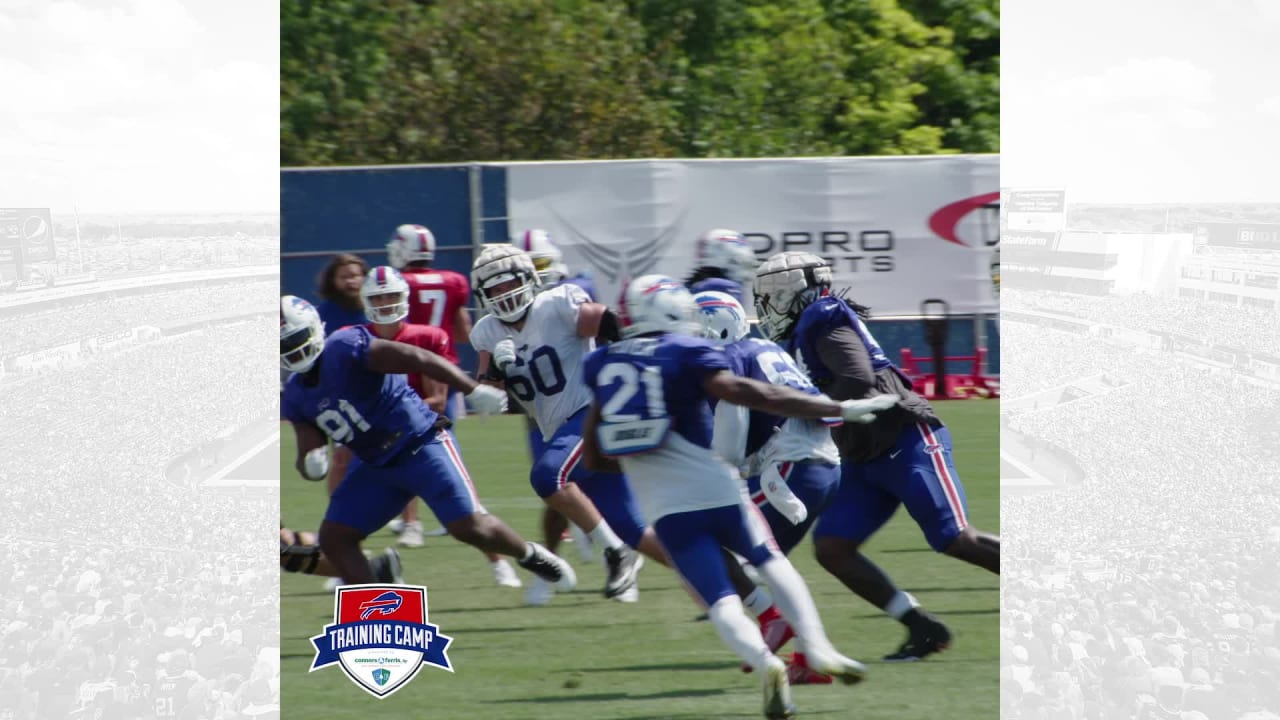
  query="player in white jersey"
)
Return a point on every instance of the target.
[
  {"x": 650, "y": 415},
  {"x": 792, "y": 465},
  {"x": 537, "y": 342}
]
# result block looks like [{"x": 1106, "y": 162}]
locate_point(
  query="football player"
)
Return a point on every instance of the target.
[
  {"x": 548, "y": 260},
  {"x": 339, "y": 290},
  {"x": 300, "y": 553},
  {"x": 386, "y": 303},
  {"x": 725, "y": 264},
  {"x": 352, "y": 388},
  {"x": 650, "y": 416},
  {"x": 795, "y": 465},
  {"x": 436, "y": 297},
  {"x": 536, "y": 342},
  {"x": 903, "y": 458}
]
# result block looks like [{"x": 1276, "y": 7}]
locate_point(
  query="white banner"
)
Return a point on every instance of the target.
[{"x": 898, "y": 231}]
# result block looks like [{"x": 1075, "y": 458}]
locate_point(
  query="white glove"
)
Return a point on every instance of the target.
[
  {"x": 504, "y": 353},
  {"x": 487, "y": 400},
  {"x": 780, "y": 496},
  {"x": 862, "y": 411},
  {"x": 315, "y": 464}
]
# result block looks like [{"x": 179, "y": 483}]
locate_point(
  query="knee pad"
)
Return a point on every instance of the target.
[{"x": 299, "y": 558}]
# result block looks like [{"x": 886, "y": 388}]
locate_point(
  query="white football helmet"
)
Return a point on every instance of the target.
[
  {"x": 657, "y": 303},
  {"x": 723, "y": 319},
  {"x": 728, "y": 251},
  {"x": 410, "y": 243},
  {"x": 786, "y": 284},
  {"x": 547, "y": 258},
  {"x": 301, "y": 334},
  {"x": 500, "y": 264},
  {"x": 383, "y": 280}
]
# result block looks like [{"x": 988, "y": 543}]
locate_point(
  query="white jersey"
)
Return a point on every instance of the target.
[
  {"x": 547, "y": 374},
  {"x": 680, "y": 477}
]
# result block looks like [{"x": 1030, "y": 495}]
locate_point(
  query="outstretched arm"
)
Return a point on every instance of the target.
[
  {"x": 395, "y": 358},
  {"x": 785, "y": 401}
]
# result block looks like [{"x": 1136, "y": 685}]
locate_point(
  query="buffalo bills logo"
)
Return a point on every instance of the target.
[{"x": 385, "y": 604}]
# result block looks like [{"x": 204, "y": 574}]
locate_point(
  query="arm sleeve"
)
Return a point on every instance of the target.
[
  {"x": 729, "y": 438},
  {"x": 573, "y": 300},
  {"x": 842, "y": 351}
]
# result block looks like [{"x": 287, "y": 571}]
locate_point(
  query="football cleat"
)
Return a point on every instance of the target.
[
  {"x": 630, "y": 595},
  {"x": 776, "y": 632},
  {"x": 412, "y": 535},
  {"x": 830, "y": 662},
  {"x": 396, "y": 526},
  {"x": 925, "y": 637},
  {"x": 539, "y": 593},
  {"x": 623, "y": 564},
  {"x": 550, "y": 567},
  {"x": 387, "y": 568},
  {"x": 799, "y": 672},
  {"x": 777, "y": 692},
  {"x": 505, "y": 575}
]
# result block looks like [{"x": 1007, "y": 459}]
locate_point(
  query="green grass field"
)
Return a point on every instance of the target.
[{"x": 589, "y": 658}]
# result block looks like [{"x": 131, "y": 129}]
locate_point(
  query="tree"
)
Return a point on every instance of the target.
[{"x": 520, "y": 80}]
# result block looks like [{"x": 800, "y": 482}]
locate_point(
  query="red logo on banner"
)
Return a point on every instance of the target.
[{"x": 945, "y": 220}]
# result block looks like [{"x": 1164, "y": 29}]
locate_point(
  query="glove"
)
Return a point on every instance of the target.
[
  {"x": 862, "y": 411},
  {"x": 780, "y": 496},
  {"x": 504, "y": 353},
  {"x": 487, "y": 400},
  {"x": 315, "y": 464}
]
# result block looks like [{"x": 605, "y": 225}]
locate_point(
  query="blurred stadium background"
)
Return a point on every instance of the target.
[{"x": 864, "y": 132}]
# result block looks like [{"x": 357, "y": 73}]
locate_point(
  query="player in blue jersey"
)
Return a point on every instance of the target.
[
  {"x": 651, "y": 418},
  {"x": 725, "y": 263},
  {"x": 903, "y": 458},
  {"x": 552, "y": 271},
  {"x": 351, "y": 387},
  {"x": 792, "y": 465}
]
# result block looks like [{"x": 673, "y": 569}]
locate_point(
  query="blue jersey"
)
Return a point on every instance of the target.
[
  {"x": 374, "y": 414},
  {"x": 336, "y": 316},
  {"x": 816, "y": 322},
  {"x": 656, "y": 379},
  {"x": 724, "y": 285},
  {"x": 765, "y": 362},
  {"x": 584, "y": 281},
  {"x": 654, "y": 416}
]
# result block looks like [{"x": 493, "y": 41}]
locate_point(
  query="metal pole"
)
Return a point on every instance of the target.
[{"x": 475, "y": 195}]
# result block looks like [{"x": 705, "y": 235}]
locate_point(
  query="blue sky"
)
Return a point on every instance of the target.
[
  {"x": 1142, "y": 100},
  {"x": 120, "y": 106}
]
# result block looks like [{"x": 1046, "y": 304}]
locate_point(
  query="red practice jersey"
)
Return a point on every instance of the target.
[
  {"x": 426, "y": 337},
  {"x": 435, "y": 297}
]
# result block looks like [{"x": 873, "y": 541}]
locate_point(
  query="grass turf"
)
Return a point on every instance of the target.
[{"x": 585, "y": 657}]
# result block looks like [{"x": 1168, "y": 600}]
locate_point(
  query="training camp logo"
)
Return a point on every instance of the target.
[{"x": 380, "y": 637}]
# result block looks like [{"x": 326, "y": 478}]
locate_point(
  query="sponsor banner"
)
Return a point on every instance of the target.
[
  {"x": 1033, "y": 210},
  {"x": 1249, "y": 236},
  {"x": 47, "y": 358},
  {"x": 897, "y": 231},
  {"x": 110, "y": 340}
]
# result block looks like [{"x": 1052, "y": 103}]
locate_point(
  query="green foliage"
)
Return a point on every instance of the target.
[{"x": 467, "y": 80}]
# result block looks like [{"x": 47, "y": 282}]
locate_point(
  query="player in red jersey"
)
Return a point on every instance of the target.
[
  {"x": 436, "y": 297},
  {"x": 387, "y": 300}
]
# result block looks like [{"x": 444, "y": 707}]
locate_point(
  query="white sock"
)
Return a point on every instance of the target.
[
  {"x": 758, "y": 601},
  {"x": 738, "y": 632},
  {"x": 795, "y": 603},
  {"x": 901, "y": 603},
  {"x": 603, "y": 536}
]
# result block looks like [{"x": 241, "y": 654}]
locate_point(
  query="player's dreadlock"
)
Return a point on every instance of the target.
[{"x": 705, "y": 273}]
